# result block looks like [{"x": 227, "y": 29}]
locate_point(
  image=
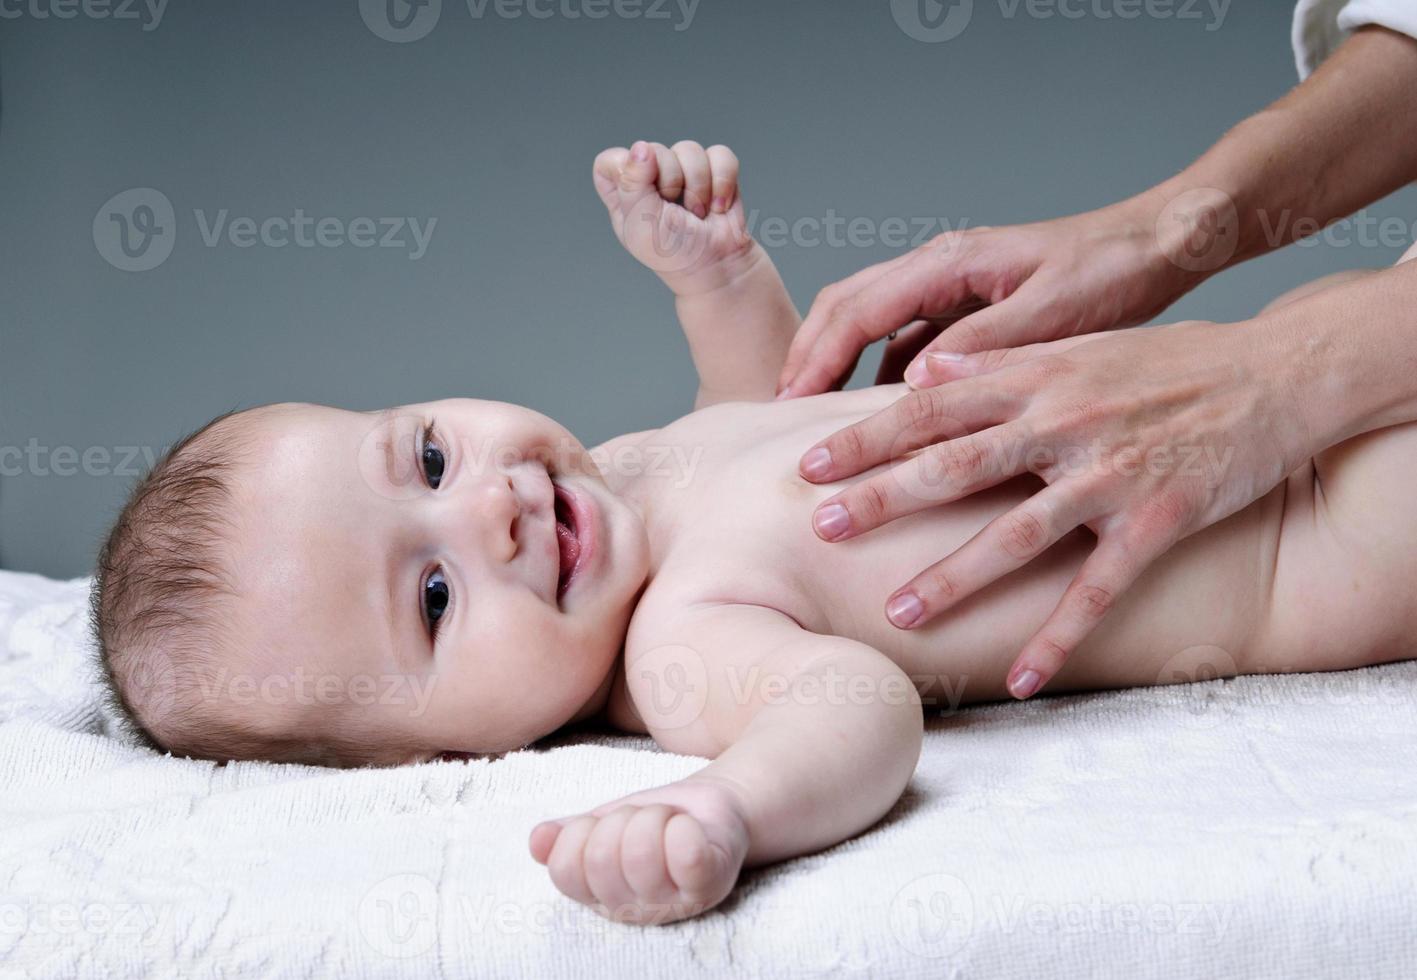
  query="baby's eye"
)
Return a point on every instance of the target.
[
  {"x": 432, "y": 459},
  {"x": 435, "y": 600}
]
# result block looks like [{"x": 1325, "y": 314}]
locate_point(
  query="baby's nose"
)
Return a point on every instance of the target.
[{"x": 498, "y": 510}]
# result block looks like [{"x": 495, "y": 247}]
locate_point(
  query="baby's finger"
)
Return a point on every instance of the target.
[
  {"x": 1006, "y": 543},
  {"x": 543, "y": 839},
  {"x": 602, "y": 864},
  {"x": 945, "y": 472},
  {"x": 723, "y": 163},
  {"x": 566, "y": 865},
  {"x": 642, "y": 856},
  {"x": 671, "y": 174},
  {"x": 695, "y": 865},
  {"x": 605, "y": 174},
  {"x": 638, "y": 176},
  {"x": 694, "y": 161}
]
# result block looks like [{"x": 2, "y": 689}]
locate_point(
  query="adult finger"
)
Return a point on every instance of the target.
[
  {"x": 920, "y": 288},
  {"x": 901, "y": 350},
  {"x": 941, "y": 366},
  {"x": 913, "y": 421},
  {"x": 1005, "y": 544},
  {"x": 805, "y": 339},
  {"x": 1106, "y": 574},
  {"x": 943, "y": 473}
]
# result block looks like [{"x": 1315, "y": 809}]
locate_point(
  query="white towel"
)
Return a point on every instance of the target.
[{"x": 1261, "y": 827}]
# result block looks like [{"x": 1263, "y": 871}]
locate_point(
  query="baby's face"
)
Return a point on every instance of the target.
[{"x": 402, "y": 573}]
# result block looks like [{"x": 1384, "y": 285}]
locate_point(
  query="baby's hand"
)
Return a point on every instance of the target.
[
  {"x": 677, "y": 210},
  {"x": 650, "y": 858}
]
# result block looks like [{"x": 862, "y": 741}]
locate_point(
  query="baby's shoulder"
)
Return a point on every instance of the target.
[{"x": 692, "y": 670}]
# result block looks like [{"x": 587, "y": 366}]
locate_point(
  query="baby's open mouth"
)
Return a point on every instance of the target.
[{"x": 567, "y": 538}]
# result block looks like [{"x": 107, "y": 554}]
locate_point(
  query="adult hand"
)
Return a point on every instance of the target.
[
  {"x": 990, "y": 288},
  {"x": 1143, "y": 435}
]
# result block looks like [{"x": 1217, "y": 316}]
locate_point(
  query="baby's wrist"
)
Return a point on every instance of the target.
[{"x": 728, "y": 276}]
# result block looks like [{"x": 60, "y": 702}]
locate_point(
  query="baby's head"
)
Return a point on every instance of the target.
[{"x": 301, "y": 583}]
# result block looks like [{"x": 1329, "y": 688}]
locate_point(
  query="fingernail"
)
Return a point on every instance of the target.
[
  {"x": 905, "y": 609},
  {"x": 640, "y": 152},
  {"x": 817, "y": 463},
  {"x": 784, "y": 394},
  {"x": 918, "y": 374},
  {"x": 1025, "y": 684},
  {"x": 944, "y": 357},
  {"x": 831, "y": 521},
  {"x": 720, "y": 204}
]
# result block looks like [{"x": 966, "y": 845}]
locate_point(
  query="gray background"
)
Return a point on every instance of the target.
[{"x": 490, "y": 124}]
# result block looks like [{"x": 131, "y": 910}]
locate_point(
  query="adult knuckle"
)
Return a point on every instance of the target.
[
  {"x": 919, "y": 409},
  {"x": 965, "y": 464},
  {"x": 1023, "y": 535},
  {"x": 1095, "y": 601},
  {"x": 977, "y": 336},
  {"x": 1052, "y": 650},
  {"x": 848, "y": 446},
  {"x": 871, "y": 503},
  {"x": 940, "y": 584}
]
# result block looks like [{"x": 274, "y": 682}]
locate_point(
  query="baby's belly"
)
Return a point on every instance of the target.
[{"x": 756, "y": 544}]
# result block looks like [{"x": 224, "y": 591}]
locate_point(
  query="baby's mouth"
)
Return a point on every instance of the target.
[{"x": 567, "y": 539}]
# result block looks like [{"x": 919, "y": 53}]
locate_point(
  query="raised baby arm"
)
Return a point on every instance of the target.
[
  {"x": 813, "y": 737},
  {"x": 678, "y": 210}
]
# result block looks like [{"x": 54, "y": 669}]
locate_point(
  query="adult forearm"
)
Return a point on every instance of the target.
[
  {"x": 1342, "y": 139},
  {"x": 1348, "y": 355}
]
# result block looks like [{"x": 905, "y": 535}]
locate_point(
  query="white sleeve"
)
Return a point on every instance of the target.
[{"x": 1320, "y": 26}]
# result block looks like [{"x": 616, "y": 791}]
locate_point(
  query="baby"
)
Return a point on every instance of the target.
[{"x": 301, "y": 583}]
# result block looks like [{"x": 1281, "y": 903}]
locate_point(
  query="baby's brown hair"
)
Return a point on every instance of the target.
[{"x": 163, "y": 606}]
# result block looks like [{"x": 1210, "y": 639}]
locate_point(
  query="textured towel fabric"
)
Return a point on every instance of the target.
[{"x": 1262, "y": 827}]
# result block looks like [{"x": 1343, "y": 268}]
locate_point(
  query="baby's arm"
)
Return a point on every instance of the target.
[
  {"x": 814, "y": 739},
  {"x": 679, "y": 212}
]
